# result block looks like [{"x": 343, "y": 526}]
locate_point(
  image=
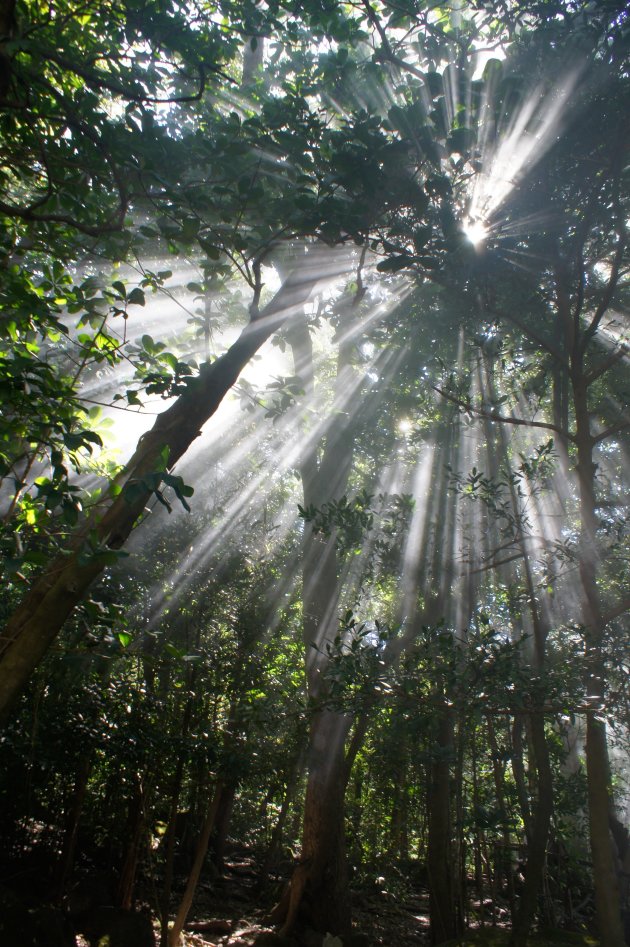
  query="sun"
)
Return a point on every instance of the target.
[{"x": 475, "y": 231}]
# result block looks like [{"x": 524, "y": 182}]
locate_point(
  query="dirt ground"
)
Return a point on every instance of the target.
[{"x": 230, "y": 912}]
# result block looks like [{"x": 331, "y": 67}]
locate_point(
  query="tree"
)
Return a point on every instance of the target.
[{"x": 574, "y": 298}]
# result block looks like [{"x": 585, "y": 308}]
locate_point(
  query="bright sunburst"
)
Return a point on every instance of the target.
[{"x": 475, "y": 231}]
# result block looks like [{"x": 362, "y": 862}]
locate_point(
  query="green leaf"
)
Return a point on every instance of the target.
[
  {"x": 136, "y": 297},
  {"x": 394, "y": 264},
  {"x": 209, "y": 248}
]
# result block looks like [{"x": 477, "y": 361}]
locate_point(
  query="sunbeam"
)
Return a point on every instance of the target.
[
  {"x": 514, "y": 150},
  {"x": 297, "y": 432}
]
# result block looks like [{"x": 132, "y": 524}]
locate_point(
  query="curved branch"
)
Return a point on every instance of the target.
[
  {"x": 610, "y": 431},
  {"x": 502, "y": 418},
  {"x": 615, "y": 269},
  {"x": 603, "y": 367},
  {"x": 100, "y": 81},
  {"x": 115, "y": 220},
  {"x": 620, "y": 609}
]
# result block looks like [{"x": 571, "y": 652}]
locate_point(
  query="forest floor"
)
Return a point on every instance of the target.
[{"x": 230, "y": 911}]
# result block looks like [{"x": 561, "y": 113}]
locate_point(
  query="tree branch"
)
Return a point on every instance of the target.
[
  {"x": 116, "y": 219},
  {"x": 613, "y": 279},
  {"x": 496, "y": 563},
  {"x": 100, "y": 81},
  {"x": 603, "y": 367},
  {"x": 502, "y": 418},
  {"x": 617, "y": 611},
  {"x": 615, "y": 429}
]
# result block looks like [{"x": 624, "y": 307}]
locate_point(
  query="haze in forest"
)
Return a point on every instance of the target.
[{"x": 314, "y": 356}]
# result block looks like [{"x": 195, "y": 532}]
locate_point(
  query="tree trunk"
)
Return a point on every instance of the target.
[
  {"x": 452, "y": 604},
  {"x": 477, "y": 840},
  {"x": 176, "y": 788},
  {"x": 518, "y": 771},
  {"x": 607, "y": 896},
  {"x": 169, "y": 855},
  {"x": 607, "y": 900},
  {"x": 443, "y": 902},
  {"x": 195, "y": 871},
  {"x": 503, "y": 867},
  {"x": 539, "y": 757},
  {"x": 135, "y": 831},
  {"x": 222, "y": 824},
  {"x": 398, "y": 827},
  {"x": 66, "y": 860},
  {"x": 37, "y": 621},
  {"x": 318, "y": 892},
  {"x": 537, "y": 844},
  {"x": 317, "y": 895},
  {"x": 276, "y": 835}
]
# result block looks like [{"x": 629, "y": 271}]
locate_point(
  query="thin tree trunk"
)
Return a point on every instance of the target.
[
  {"x": 176, "y": 788},
  {"x": 477, "y": 841},
  {"x": 398, "y": 827},
  {"x": 607, "y": 895},
  {"x": 318, "y": 891},
  {"x": 503, "y": 868},
  {"x": 222, "y": 824},
  {"x": 537, "y": 846},
  {"x": 445, "y": 920},
  {"x": 442, "y": 868},
  {"x": 276, "y": 835},
  {"x": 543, "y": 804},
  {"x": 169, "y": 854},
  {"x": 460, "y": 840},
  {"x": 135, "y": 832},
  {"x": 7, "y": 29},
  {"x": 66, "y": 861},
  {"x": 605, "y": 877},
  {"x": 518, "y": 771},
  {"x": 195, "y": 872}
]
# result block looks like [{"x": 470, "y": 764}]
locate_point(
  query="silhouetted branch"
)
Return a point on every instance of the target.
[{"x": 502, "y": 418}]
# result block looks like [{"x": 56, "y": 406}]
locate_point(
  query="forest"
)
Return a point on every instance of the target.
[{"x": 314, "y": 473}]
